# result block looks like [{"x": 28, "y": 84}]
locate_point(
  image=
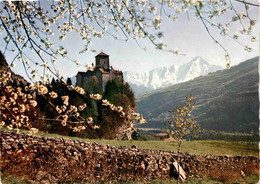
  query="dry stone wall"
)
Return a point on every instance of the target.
[{"x": 52, "y": 160}]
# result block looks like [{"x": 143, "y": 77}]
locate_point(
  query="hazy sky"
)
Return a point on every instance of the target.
[{"x": 188, "y": 35}]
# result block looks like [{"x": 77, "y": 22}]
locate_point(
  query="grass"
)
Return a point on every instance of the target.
[
  {"x": 253, "y": 178},
  {"x": 14, "y": 179},
  {"x": 214, "y": 147}
]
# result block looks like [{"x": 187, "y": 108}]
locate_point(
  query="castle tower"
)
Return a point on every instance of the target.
[{"x": 102, "y": 61}]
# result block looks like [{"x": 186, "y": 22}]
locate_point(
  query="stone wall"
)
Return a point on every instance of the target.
[{"x": 49, "y": 160}]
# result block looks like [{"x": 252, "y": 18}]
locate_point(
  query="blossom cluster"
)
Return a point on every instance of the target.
[
  {"x": 27, "y": 24},
  {"x": 95, "y": 96},
  {"x": 67, "y": 111},
  {"x": 17, "y": 107},
  {"x": 137, "y": 117},
  {"x": 181, "y": 123},
  {"x": 15, "y": 104},
  {"x": 119, "y": 109},
  {"x": 133, "y": 116}
]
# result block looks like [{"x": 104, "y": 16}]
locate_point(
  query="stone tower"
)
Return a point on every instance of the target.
[
  {"x": 102, "y": 61},
  {"x": 102, "y": 71}
]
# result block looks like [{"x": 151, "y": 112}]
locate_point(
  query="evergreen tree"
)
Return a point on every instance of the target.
[
  {"x": 69, "y": 81},
  {"x": 91, "y": 85},
  {"x": 116, "y": 88},
  {"x": 129, "y": 93},
  {"x": 112, "y": 87},
  {"x": 53, "y": 82}
]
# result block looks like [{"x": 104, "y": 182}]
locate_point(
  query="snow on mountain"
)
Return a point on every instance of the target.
[{"x": 166, "y": 76}]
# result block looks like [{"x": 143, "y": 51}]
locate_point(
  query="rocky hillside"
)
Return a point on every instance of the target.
[
  {"x": 226, "y": 100},
  {"x": 49, "y": 160},
  {"x": 167, "y": 76}
]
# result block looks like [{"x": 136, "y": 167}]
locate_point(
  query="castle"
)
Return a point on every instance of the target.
[{"x": 102, "y": 71}]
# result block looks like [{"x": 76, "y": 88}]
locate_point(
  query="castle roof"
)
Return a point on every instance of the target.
[
  {"x": 116, "y": 71},
  {"x": 102, "y": 54}
]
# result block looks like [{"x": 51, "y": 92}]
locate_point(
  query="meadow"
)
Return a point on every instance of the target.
[
  {"x": 214, "y": 147},
  {"x": 248, "y": 179}
]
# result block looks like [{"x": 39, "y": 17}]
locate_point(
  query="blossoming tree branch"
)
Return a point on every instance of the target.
[{"x": 33, "y": 26}]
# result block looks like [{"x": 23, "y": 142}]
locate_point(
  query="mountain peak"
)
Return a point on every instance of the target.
[
  {"x": 166, "y": 76},
  {"x": 198, "y": 60}
]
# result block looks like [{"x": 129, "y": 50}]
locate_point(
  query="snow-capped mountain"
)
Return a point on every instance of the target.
[{"x": 166, "y": 76}]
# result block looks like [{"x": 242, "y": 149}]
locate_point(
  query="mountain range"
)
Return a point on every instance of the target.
[
  {"x": 167, "y": 76},
  {"x": 227, "y": 100}
]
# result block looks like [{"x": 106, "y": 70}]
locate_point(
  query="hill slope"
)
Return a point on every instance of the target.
[{"x": 227, "y": 100}]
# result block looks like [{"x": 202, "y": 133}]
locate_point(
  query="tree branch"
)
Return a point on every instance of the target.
[{"x": 247, "y": 3}]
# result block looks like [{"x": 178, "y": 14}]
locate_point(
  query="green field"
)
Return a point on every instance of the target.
[
  {"x": 214, "y": 147},
  {"x": 248, "y": 179}
]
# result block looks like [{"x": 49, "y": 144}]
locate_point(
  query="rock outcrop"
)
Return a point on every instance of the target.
[{"x": 127, "y": 128}]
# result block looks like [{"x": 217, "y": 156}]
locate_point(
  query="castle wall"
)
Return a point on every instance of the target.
[
  {"x": 79, "y": 79},
  {"x": 116, "y": 75},
  {"x": 105, "y": 79},
  {"x": 100, "y": 79}
]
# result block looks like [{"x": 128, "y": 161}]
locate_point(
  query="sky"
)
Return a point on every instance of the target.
[{"x": 187, "y": 34}]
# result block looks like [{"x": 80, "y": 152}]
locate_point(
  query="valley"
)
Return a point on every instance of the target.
[{"x": 227, "y": 100}]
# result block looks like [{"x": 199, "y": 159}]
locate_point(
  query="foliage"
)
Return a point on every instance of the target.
[
  {"x": 181, "y": 124},
  {"x": 93, "y": 114},
  {"x": 115, "y": 89},
  {"x": 112, "y": 87},
  {"x": 129, "y": 93},
  {"x": 122, "y": 100},
  {"x": 27, "y": 25},
  {"x": 69, "y": 81},
  {"x": 91, "y": 85},
  {"x": 64, "y": 109},
  {"x": 17, "y": 106},
  {"x": 109, "y": 124}
]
